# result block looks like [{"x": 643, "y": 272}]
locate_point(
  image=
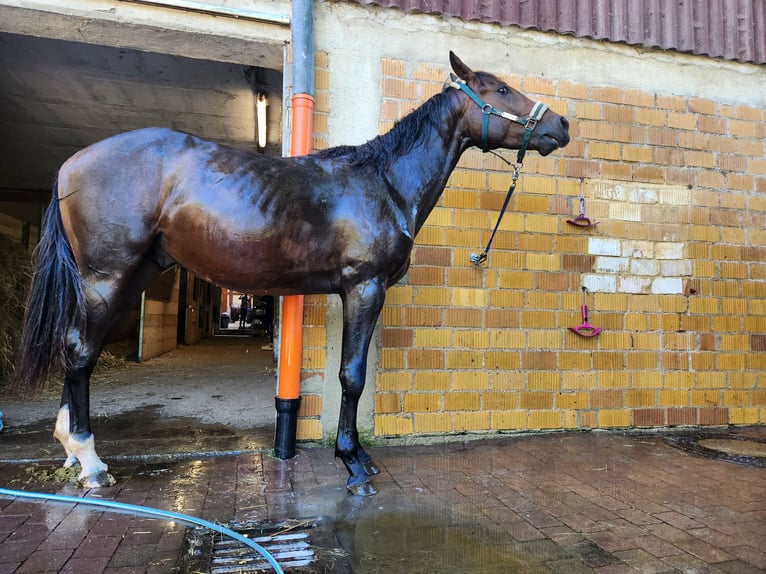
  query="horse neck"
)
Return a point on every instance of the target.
[{"x": 420, "y": 175}]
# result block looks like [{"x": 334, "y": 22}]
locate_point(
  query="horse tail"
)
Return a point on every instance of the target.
[{"x": 55, "y": 304}]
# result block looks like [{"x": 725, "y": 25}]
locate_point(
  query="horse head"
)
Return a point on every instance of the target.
[{"x": 496, "y": 115}]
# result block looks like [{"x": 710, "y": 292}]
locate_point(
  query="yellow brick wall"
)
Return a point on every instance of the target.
[
  {"x": 313, "y": 365},
  {"x": 674, "y": 272}
]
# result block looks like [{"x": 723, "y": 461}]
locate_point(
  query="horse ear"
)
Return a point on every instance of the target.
[{"x": 463, "y": 72}]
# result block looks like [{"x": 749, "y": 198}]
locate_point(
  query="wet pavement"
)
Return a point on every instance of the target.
[
  {"x": 687, "y": 501},
  {"x": 567, "y": 502}
]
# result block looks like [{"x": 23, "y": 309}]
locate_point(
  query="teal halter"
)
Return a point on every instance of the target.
[{"x": 488, "y": 110}]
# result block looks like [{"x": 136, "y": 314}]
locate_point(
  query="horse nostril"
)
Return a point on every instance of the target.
[{"x": 564, "y": 123}]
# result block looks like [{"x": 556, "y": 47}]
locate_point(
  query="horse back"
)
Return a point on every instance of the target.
[{"x": 234, "y": 217}]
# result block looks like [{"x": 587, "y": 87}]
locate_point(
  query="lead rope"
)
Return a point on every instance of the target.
[
  {"x": 478, "y": 259},
  {"x": 537, "y": 112},
  {"x": 529, "y": 124}
]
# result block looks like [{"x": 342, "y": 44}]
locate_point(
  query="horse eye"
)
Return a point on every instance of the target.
[{"x": 502, "y": 90}]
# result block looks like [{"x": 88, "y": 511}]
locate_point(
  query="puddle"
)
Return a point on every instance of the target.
[
  {"x": 427, "y": 538},
  {"x": 141, "y": 432},
  {"x": 728, "y": 447},
  {"x": 414, "y": 541},
  {"x": 738, "y": 447}
]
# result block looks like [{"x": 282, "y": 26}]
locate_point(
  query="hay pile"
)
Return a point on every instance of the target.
[{"x": 15, "y": 272}]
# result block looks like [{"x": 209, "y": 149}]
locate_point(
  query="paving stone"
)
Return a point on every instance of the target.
[{"x": 566, "y": 503}]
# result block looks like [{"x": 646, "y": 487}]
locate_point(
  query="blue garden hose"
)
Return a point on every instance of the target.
[{"x": 134, "y": 508}]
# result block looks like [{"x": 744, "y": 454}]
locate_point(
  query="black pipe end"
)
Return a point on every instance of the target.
[{"x": 287, "y": 424}]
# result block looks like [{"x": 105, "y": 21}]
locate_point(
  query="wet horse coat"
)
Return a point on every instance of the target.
[{"x": 340, "y": 221}]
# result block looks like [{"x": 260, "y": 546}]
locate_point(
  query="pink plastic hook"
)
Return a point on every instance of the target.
[
  {"x": 586, "y": 329},
  {"x": 581, "y": 220}
]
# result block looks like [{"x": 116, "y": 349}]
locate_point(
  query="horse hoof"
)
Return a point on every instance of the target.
[
  {"x": 362, "y": 489},
  {"x": 370, "y": 468},
  {"x": 101, "y": 479}
]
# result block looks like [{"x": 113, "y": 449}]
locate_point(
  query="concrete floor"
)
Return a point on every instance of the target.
[{"x": 566, "y": 502}]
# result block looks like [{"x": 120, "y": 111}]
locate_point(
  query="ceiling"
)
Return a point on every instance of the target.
[{"x": 57, "y": 97}]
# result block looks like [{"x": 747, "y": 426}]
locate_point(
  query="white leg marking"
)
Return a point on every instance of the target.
[
  {"x": 82, "y": 451},
  {"x": 85, "y": 451},
  {"x": 61, "y": 432}
]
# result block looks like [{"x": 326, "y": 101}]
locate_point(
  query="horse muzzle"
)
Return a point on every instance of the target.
[{"x": 549, "y": 136}]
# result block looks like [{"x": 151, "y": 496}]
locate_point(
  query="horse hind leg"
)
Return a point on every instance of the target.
[{"x": 73, "y": 428}]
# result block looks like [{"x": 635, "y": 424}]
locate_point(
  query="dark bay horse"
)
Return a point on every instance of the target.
[{"x": 339, "y": 221}]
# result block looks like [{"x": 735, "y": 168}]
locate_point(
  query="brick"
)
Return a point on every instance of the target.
[
  {"x": 610, "y": 418},
  {"x": 470, "y": 421},
  {"x": 399, "y": 295},
  {"x": 431, "y": 296},
  {"x": 667, "y": 285},
  {"x": 309, "y": 429},
  {"x": 433, "y": 338},
  {"x": 423, "y": 316},
  {"x": 578, "y": 380},
  {"x": 606, "y": 94},
  {"x": 544, "y": 261},
  {"x": 510, "y": 420},
  {"x": 470, "y": 380},
  {"x": 535, "y": 400},
  {"x": 391, "y": 425},
  {"x": 757, "y": 342},
  {"x": 651, "y": 117},
  {"x": 638, "y": 285},
  {"x": 600, "y": 283},
  {"x": 432, "y": 381},
  {"x": 649, "y": 417},
  {"x": 464, "y": 360},
  {"x": 464, "y": 318},
  {"x": 572, "y": 400},
  {"x": 387, "y": 403},
  {"x": 421, "y": 403},
  {"x": 588, "y": 110},
  {"x": 606, "y": 399},
  {"x": 393, "y": 381},
  {"x": 427, "y": 275},
  {"x": 604, "y": 150},
  {"x": 736, "y": 398},
  {"x": 743, "y": 416},
  {"x": 681, "y": 416},
  {"x": 539, "y": 381},
  {"x": 396, "y": 337},
  {"x": 539, "y": 85},
  {"x": 544, "y": 420},
  {"x": 465, "y": 297},
  {"x": 604, "y": 246},
  {"x": 425, "y": 359},
  {"x": 566, "y": 89},
  {"x": 639, "y": 398},
  {"x": 311, "y": 406},
  {"x": 682, "y": 121},
  {"x": 714, "y": 416},
  {"x": 433, "y": 423}
]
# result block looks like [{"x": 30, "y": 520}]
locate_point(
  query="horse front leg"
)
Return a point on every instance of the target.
[
  {"x": 361, "y": 308},
  {"x": 73, "y": 428}
]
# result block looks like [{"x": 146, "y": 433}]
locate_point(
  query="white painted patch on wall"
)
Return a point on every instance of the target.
[{"x": 644, "y": 265}]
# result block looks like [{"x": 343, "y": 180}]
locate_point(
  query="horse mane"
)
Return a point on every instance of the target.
[{"x": 382, "y": 150}]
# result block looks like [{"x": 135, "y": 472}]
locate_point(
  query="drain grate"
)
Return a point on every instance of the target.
[
  {"x": 299, "y": 546},
  {"x": 740, "y": 449}
]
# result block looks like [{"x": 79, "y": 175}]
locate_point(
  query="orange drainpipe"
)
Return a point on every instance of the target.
[
  {"x": 288, "y": 398},
  {"x": 291, "y": 348}
]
